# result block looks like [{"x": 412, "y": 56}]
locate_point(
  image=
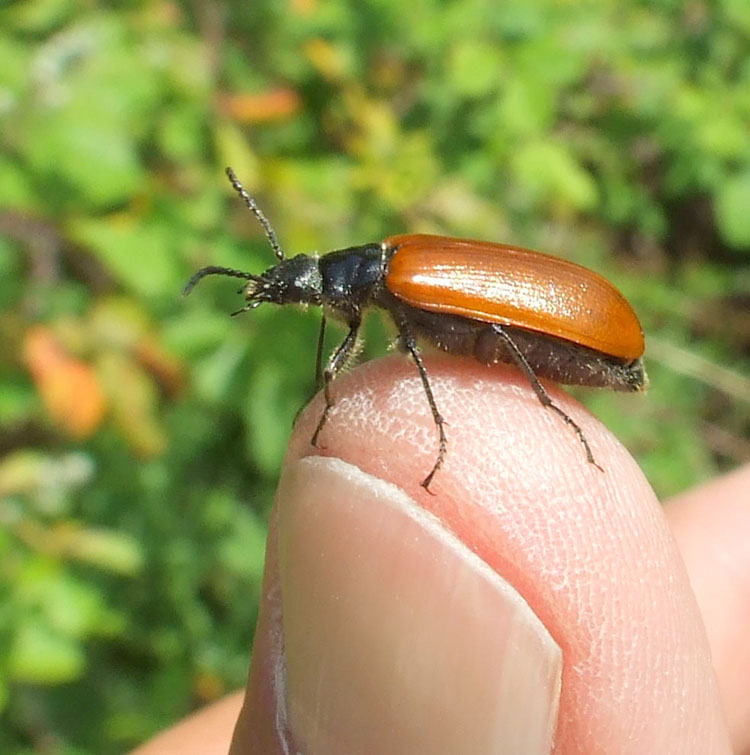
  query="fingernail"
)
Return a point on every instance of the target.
[{"x": 397, "y": 637}]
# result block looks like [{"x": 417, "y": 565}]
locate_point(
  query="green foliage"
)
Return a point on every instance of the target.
[{"x": 142, "y": 434}]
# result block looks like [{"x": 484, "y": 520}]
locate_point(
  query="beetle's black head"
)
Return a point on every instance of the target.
[{"x": 292, "y": 281}]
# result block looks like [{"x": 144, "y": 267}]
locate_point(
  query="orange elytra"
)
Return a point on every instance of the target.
[{"x": 513, "y": 286}]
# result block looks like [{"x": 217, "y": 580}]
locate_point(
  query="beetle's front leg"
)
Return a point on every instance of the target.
[{"x": 335, "y": 363}]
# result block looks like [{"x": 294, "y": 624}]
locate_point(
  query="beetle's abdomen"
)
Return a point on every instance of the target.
[{"x": 549, "y": 357}]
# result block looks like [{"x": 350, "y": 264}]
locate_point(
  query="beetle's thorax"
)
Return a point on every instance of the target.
[{"x": 351, "y": 278}]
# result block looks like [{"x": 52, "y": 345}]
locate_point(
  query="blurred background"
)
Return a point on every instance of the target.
[{"x": 141, "y": 434}]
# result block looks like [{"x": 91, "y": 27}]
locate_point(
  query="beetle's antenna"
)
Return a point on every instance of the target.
[
  {"x": 213, "y": 270},
  {"x": 250, "y": 202}
]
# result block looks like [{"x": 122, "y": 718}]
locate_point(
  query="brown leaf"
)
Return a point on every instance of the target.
[{"x": 68, "y": 386}]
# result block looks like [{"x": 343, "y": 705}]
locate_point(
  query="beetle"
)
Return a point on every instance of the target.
[{"x": 552, "y": 318}]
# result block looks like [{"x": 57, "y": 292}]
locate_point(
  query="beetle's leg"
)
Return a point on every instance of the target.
[
  {"x": 410, "y": 344},
  {"x": 335, "y": 363},
  {"x": 318, "y": 367},
  {"x": 541, "y": 394},
  {"x": 319, "y": 355}
]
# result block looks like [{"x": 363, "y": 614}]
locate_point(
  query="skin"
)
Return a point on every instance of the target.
[{"x": 639, "y": 598}]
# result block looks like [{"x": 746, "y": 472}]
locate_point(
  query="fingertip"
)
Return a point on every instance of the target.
[
  {"x": 589, "y": 552},
  {"x": 711, "y": 524}
]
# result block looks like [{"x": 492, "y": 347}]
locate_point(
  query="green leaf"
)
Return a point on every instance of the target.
[
  {"x": 475, "y": 68},
  {"x": 38, "y": 17},
  {"x": 77, "y": 149},
  {"x": 14, "y": 63},
  {"x": 41, "y": 655},
  {"x": 79, "y": 130},
  {"x": 242, "y": 550},
  {"x": 548, "y": 172},
  {"x": 63, "y": 602},
  {"x": 733, "y": 210},
  {"x": 181, "y": 132},
  {"x": 15, "y": 189},
  {"x": 268, "y": 415},
  {"x": 215, "y": 374},
  {"x": 525, "y": 108},
  {"x": 140, "y": 255}
]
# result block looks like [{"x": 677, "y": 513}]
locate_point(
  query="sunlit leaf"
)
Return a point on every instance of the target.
[
  {"x": 109, "y": 551},
  {"x": 40, "y": 655}
]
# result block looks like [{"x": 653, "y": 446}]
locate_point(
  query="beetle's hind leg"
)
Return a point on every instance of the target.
[
  {"x": 339, "y": 359},
  {"x": 409, "y": 343},
  {"x": 520, "y": 360}
]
